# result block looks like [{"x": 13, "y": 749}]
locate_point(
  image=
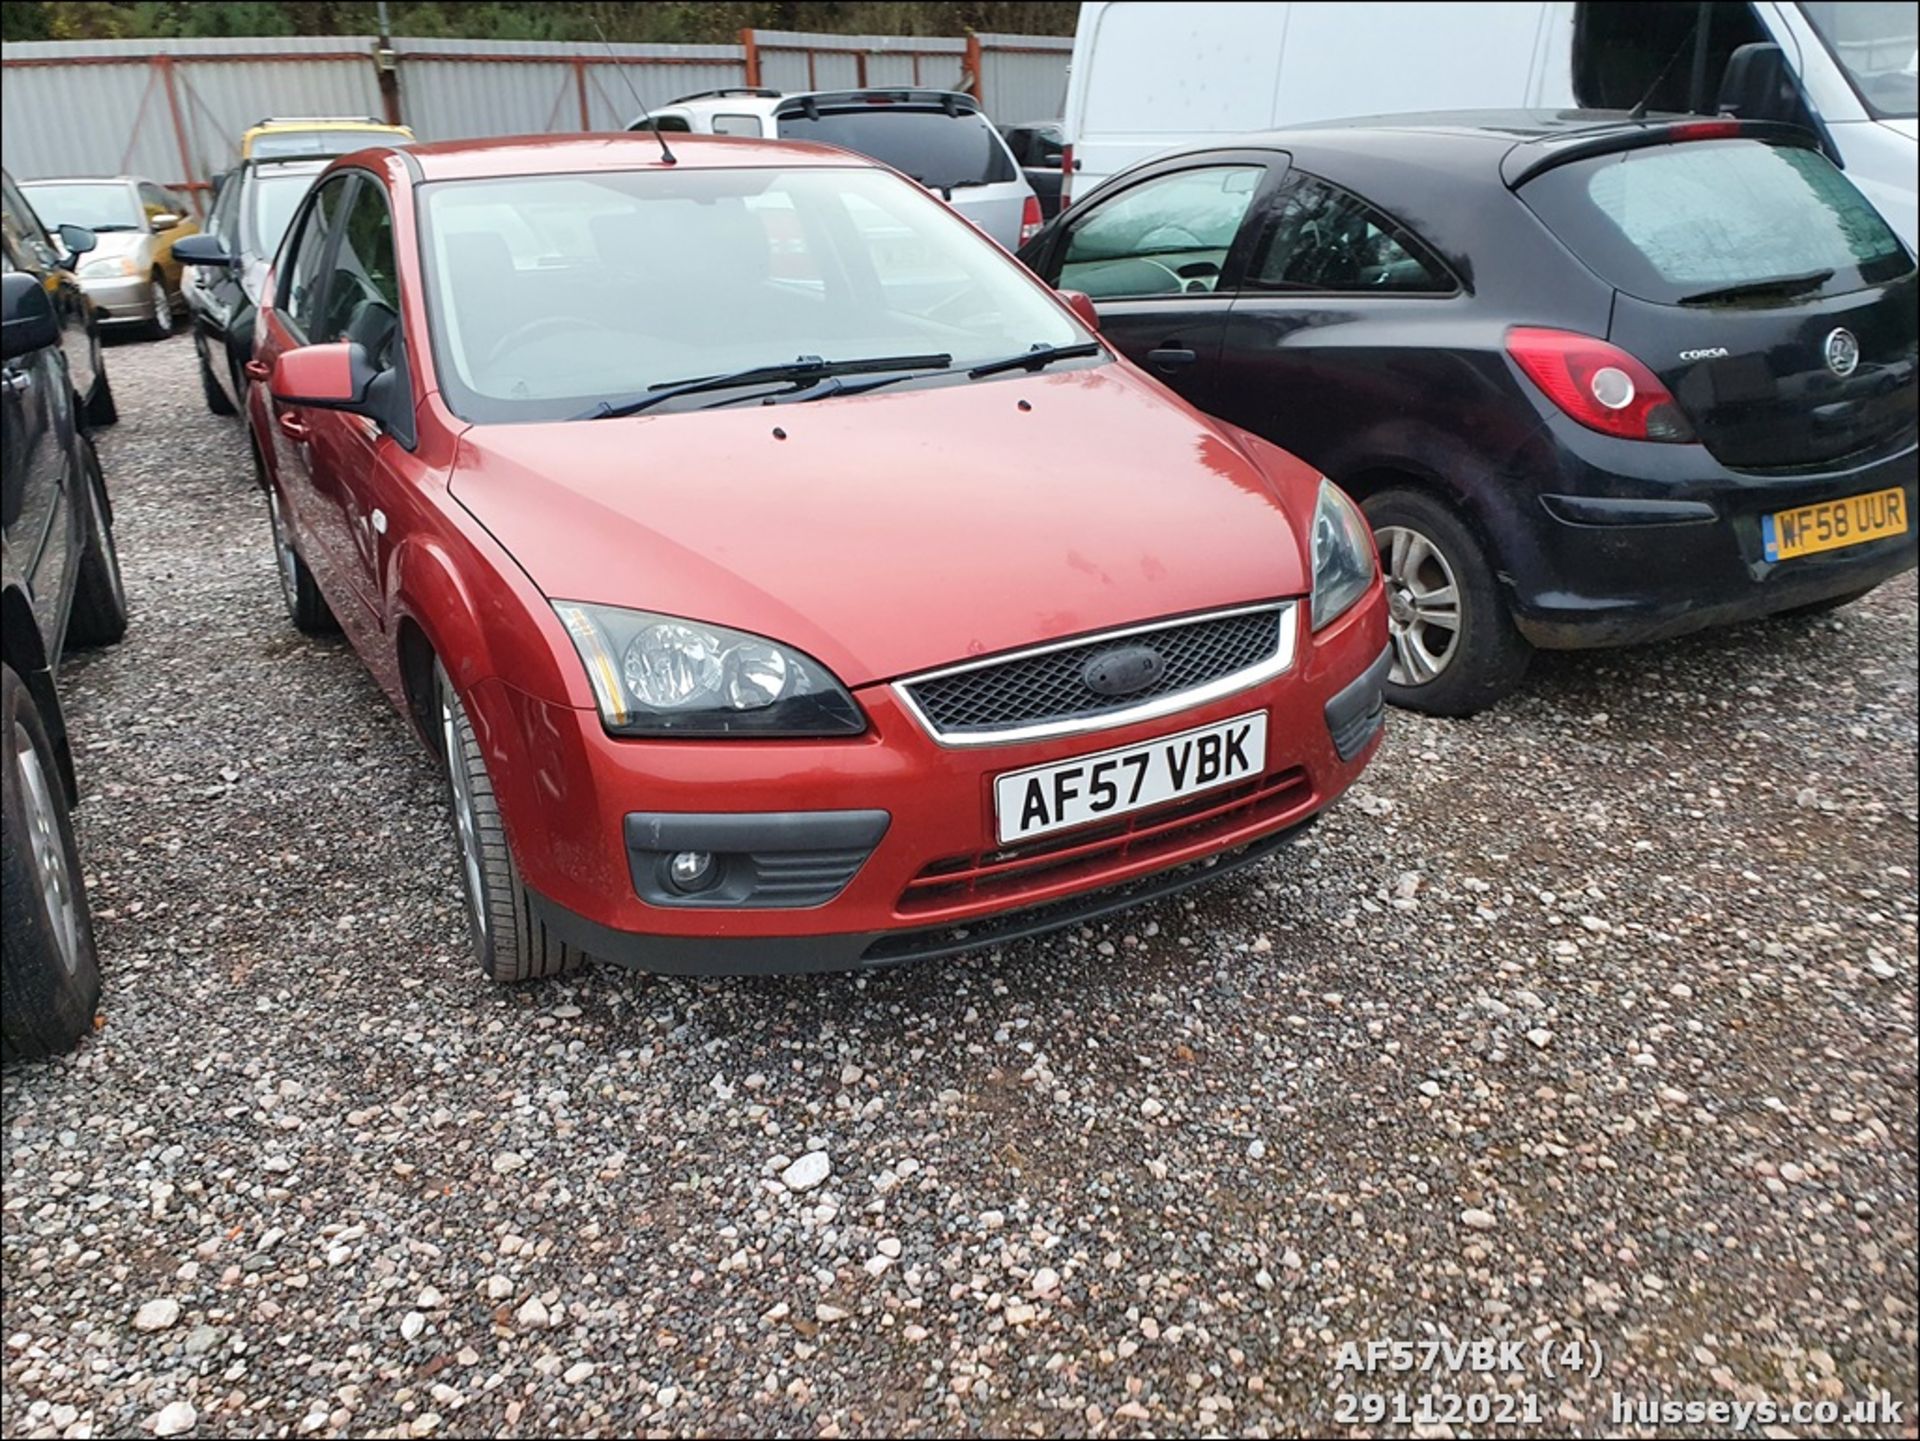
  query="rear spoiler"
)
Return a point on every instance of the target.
[
  {"x": 811, "y": 105},
  {"x": 1532, "y": 157}
]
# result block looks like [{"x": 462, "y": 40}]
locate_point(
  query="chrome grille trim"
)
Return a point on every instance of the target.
[{"x": 1278, "y": 663}]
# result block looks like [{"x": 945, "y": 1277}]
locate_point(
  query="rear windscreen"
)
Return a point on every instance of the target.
[
  {"x": 1677, "y": 222},
  {"x": 937, "y": 149}
]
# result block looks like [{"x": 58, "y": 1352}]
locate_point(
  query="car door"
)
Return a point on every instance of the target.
[
  {"x": 361, "y": 304},
  {"x": 37, "y": 510},
  {"x": 1333, "y": 291},
  {"x": 305, "y": 462},
  {"x": 1160, "y": 255},
  {"x": 167, "y": 222}
]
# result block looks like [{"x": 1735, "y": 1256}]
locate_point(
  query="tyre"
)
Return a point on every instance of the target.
[
  {"x": 509, "y": 940},
  {"x": 306, "y": 607},
  {"x": 1456, "y": 650},
  {"x": 49, "y": 974},
  {"x": 99, "y": 409},
  {"x": 160, "y": 325},
  {"x": 1831, "y": 603},
  {"x": 99, "y": 615},
  {"x": 216, "y": 398}
]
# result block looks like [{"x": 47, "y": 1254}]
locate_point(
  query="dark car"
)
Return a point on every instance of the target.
[
  {"x": 59, "y": 587},
  {"x": 1040, "y": 149},
  {"x": 51, "y": 256},
  {"x": 1595, "y": 379},
  {"x": 230, "y": 263}
]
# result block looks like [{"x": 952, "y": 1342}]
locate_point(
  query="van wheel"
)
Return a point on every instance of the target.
[
  {"x": 509, "y": 940},
  {"x": 216, "y": 398},
  {"x": 99, "y": 615},
  {"x": 50, "y": 976},
  {"x": 306, "y": 607},
  {"x": 1456, "y": 650}
]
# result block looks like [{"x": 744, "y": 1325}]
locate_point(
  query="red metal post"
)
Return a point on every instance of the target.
[
  {"x": 164, "y": 63},
  {"x": 973, "y": 66},
  {"x": 860, "y": 69},
  {"x": 752, "y": 48},
  {"x": 580, "y": 89}
]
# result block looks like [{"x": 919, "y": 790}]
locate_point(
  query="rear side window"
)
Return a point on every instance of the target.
[
  {"x": 306, "y": 279},
  {"x": 1321, "y": 238},
  {"x": 736, "y": 125},
  {"x": 1675, "y": 222},
  {"x": 941, "y": 151}
]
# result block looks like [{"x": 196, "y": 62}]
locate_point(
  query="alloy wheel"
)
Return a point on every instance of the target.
[
  {"x": 464, "y": 824},
  {"x": 1423, "y": 605},
  {"x": 49, "y": 850}
]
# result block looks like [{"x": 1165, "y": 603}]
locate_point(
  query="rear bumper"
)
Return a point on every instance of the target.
[{"x": 1628, "y": 541}]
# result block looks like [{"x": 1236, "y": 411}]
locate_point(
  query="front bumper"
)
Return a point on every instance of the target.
[
  {"x": 1623, "y": 541},
  {"x": 120, "y": 299},
  {"x": 934, "y": 880}
]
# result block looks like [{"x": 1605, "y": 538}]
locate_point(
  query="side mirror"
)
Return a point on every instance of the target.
[
  {"x": 324, "y": 377},
  {"x": 27, "y": 321},
  {"x": 165, "y": 220},
  {"x": 1081, "y": 304},
  {"x": 1759, "y": 85},
  {"x": 78, "y": 240},
  {"x": 201, "y": 249}
]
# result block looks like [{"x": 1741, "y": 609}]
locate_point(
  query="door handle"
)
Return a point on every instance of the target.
[
  {"x": 292, "y": 425},
  {"x": 1166, "y": 357},
  {"x": 257, "y": 370}
]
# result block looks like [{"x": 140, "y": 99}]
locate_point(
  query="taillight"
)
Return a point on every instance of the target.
[
  {"x": 1705, "y": 130},
  {"x": 1066, "y": 176},
  {"x": 1598, "y": 384},
  {"x": 1029, "y": 219}
]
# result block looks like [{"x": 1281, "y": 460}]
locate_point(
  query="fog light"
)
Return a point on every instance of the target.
[{"x": 691, "y": 870}]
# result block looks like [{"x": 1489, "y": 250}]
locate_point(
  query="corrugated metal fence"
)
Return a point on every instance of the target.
[{"x": 173, "y": 110}]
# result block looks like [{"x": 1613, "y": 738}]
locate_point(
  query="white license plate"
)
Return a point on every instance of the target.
[{"x": 1111, "y": 783}]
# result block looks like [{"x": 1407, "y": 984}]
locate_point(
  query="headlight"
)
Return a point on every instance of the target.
[
  {"x": 1343, "y": 555},
  {"x": 105, "y": 265},
  {"x": 661, "y": 675}
]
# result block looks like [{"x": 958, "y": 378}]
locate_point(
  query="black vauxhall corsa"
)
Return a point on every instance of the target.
[{"x": 1595, "y": 379}]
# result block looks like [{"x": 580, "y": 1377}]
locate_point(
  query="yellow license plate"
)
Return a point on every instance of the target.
[{"x": 1834, "y": 524}]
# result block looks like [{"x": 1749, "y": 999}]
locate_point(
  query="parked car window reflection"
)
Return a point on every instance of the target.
[
  {"x": 1163, "y": 236},
  {"x": 1322, "y": 238}
]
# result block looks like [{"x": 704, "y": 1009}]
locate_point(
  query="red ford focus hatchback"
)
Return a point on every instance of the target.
[{"x": 786, "y": 578}]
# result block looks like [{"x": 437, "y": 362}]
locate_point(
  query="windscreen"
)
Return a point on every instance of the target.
[
  {"x": 1673, "y": 223},
  {"x": 293, "y": 144},
  {"x": 942, "y": 151},
  {"x": 551, "y": 293},
  {"x": 108, "y": 206}
]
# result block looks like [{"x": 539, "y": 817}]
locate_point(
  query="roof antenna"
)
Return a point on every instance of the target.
[
  {"x": 1639, "y": 111},
  {"x": 666, "y": 155}
]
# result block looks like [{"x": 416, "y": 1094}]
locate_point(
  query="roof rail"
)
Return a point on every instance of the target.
[
  {"x": 724, "y": 91},
  {"x": 319, "y": 120}
]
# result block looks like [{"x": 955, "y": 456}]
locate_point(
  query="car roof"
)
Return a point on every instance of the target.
[{"x": 624, "y": 150}]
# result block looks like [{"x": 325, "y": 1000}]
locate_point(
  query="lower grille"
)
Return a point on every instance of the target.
[{"x": 1013, "y": 872}]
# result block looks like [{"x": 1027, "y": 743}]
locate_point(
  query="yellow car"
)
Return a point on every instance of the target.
[{"x": 291, "y": 137}]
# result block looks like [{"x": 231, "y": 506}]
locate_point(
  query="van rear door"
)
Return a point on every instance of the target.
[{"x": 1756, "y": 282}]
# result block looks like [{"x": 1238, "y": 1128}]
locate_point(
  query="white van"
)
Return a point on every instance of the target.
[{"x": 1148, "y": 76}]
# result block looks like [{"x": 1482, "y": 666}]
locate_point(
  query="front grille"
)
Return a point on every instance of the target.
[
  {"x": 1010, "y": 873},
  {"x": 1048, "y": 686}
]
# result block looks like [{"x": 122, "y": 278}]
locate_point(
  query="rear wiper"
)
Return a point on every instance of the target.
[
  {"x": 1034, "y": 358},
  {"x": 1774, "y": 285},
  {"x": 805, "y": 368}
]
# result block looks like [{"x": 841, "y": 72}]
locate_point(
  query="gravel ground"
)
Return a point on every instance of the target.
[{"x": 1591, "y": 1020}]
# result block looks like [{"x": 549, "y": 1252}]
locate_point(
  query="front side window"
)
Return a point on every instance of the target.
[
  {"x": 362, "y": 294},
  {"x": 1876, "y": 43},
  {"x": 1165, "y": 236},
  {"x": 104, "y": 208},
  {"x": 1320, "y": 238},
  {"x": 155, "y": 202},
  {"x": 276, "y": 195},
  {"x": 550, "y": 293},
  {"x": 23, "y": 227},
  {"x": 1672, "y": 223},
  {"x": 305, "y": 284}
]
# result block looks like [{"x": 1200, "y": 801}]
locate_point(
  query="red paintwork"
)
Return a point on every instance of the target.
[
  {"x": 313, "y": 373},
  {"x": 887, "y": 533},
  {"x": 1081, "y": 304}
]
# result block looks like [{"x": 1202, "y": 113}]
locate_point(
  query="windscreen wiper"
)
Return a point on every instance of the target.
[
  {"x": 1034, "y": 358},
  {"x": 829, "y": 386},
  {"x": 805, "y": 368},
  {"x": 1774, "y": 285}
]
